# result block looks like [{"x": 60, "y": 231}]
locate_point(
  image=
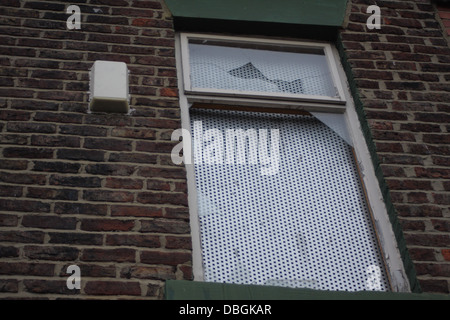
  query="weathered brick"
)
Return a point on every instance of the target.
[
  {"x": 9, "y": 252},
  {"x": 49, "y": 287},
  {"x": 56, "y": 253},
  {"x": 133, "y": 157},
  {"x": 24, "y": 205},
  {"x": 107, "y": 144},
  {"x": 80, "y": 208},
  {"x": 112, "y": 288},
  {"x": 26, "y": 152},
  {"x": 55, "y": 141},
  {"x": 178, "y": 242},
  {"x": 75, "y": 238},
  {"x": 10, "y": 191},
  {"x": 134, "y": 133},
  {"x": 428, "y": 239},
  {"x": 109, "y": 255},
  {"x": 29, "y": 127},
  {"x": 8, "y": 220},
  {"x": 49, "y": 222},
  {"x": 156, "y": 272},
  {"x": 165, "y": 226},
  {"x": 50, "y": 193},
  {"x": 171, "y": 258},
  {"x": 108, "y": 196},
  {"x": 9, "y": 285},
  {"x": 51, "y": 166},
  {"x": 80, "y": 154},
  {"x": 83, "y": 130},
  {"x": 106, "y": 225},
  {"x": 136, "y": 211},
  {"x": 75, "y": 181},
  {"x": 123, "y": 183},
  {"x": 138, "y": 240},
  {"x": 110, "y": 169},
  {"x": 13, "y": 164},
  {"x": 162, "y": 198}
]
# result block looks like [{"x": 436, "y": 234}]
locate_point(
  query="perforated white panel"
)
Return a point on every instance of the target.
[
  {"x": 242, "y": 69},
  {"x": 306, "y": 226}
]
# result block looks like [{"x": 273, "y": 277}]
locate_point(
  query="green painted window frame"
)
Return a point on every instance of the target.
[
  {"x": 318, "y": 19},
  {"x": 308, "y": 19},
  {"x": 196, "y": 290}
]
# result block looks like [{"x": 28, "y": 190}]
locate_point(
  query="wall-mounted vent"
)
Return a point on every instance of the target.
[{"x": 109, "y": 87}]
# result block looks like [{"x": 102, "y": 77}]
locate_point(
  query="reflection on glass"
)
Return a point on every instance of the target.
[{"x": 260, "y": 70}]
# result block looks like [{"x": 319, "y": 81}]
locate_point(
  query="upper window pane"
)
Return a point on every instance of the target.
[{"x": 260, "y": 69}]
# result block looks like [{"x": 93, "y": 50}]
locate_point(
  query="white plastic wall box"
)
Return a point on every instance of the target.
[{"x": 109, "y": 87}]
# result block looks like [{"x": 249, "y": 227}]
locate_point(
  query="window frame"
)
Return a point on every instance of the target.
[
  {"x": 326, "y": 47},
  {"x": 379, "y": 213}
]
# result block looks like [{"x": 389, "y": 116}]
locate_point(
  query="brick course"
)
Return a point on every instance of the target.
[
  {"x": 406, "y": 109},
  {"x": 88, "y": 189},
  {"x": 101, "y": 192}
]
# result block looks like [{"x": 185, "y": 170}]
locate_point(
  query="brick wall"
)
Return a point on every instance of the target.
[
  {"x": 95, "y": 190},
  {"x": 402, "y": 77},
  {"x": 443, "y": 9},
  {"x": 100, "y": 191}
]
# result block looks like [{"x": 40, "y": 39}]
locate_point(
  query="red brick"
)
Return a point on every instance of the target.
[
  {"x": 51, "y": 166},
  {"x": 446, "y": 254},
  {"x": 48, "y": 287},
  {"x": 49, "y": 222},
  {"x": 107, "y": 144},
  {"x": 123, "y": 183},
  {"x": 434, "y": 286},
  {"x": 108, "y": 255},
  {"x": 9, "y": 285},
  {"x": 171, "y": 258},
  {"x": 10, "y": 191},
  {"x": 138, "y": 240},
  {"x": 55, "y": 141},
  {"x": 26, "y": 268},
  {"x": 112, "y": 288},
  {"x": 8, "y": 220},
  {"x": 136, "y": 211},
  {"x": 178, "y": 242},
  {"x": 165, "y": 226},
  {"x": 422, "y": 254},
  {"x": 75, "y": 181},
  {"x": 106, "y": 225},
  {"x": 24, "y": 205},
  {"x": 108, "y": 196},
  {"x": 162, "y": 198},
  {"x": 80, "y": 208},
  {"x": 428, "y": 239},
  {"x": 156, "y": 272},
  {"x": 80, "y": 154},
  {"x": 30, "y": 153},
  {"x": 110, "y": 169},
  {"x": 168, "y": 92},
  {"x": 134, "y": 133}
]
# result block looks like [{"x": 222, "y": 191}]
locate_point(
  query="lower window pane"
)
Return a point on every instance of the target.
[{"x": 282, "y": 206}]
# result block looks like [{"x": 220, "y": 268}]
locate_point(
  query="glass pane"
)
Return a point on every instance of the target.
[
  {"x": 305, "y": 223},
  {"x": 260, "y": 70}
]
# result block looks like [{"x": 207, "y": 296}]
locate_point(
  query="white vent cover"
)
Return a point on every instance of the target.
[
  {"x": 306, "y": 226},
  {"x": 109, "y": 87},
  {"x": 259, "y": 71}
]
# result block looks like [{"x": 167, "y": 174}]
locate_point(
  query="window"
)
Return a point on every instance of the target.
[{"x": 281, "y": 189}]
